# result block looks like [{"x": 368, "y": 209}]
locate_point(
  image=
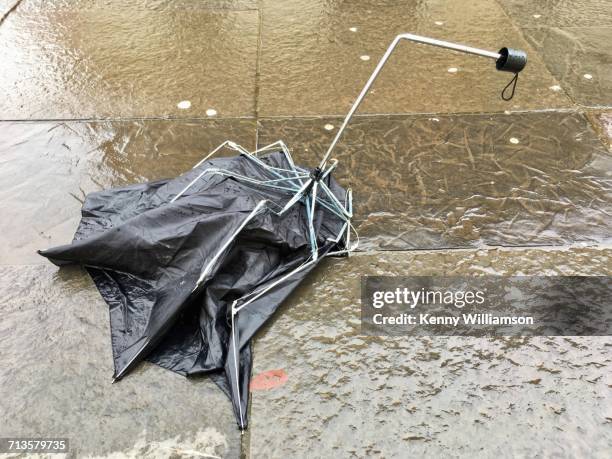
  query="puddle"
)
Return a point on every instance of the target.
[{"x": 438, "y": 396}]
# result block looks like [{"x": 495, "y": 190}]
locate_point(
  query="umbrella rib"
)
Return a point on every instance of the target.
[
  {"x": 257, "y": 294},
  {"x": 228, "y": 241}
]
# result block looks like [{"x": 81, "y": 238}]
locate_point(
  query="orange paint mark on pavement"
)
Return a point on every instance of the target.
[{"x": 268, "y": 380}]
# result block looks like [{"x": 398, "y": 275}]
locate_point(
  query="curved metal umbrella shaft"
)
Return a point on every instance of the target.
[{"x": 383, "y": 61}]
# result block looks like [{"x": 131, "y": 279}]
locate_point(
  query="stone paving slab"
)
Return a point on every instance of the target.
[
  {"x": 349, "y": 395},
  {"x": 71, "y": 63},
  {"x": 49, "y": 167},
  {"x": 312, "y": 63},
  {"x": 431, "y": 182},
  {"x": 56, "y": 367},
  {"x": 569, "y": 13},
  {"x": 579, "y": 58}
]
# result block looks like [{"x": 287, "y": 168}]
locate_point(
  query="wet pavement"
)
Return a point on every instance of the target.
[
  {"x": 416, "y": 79},
  {"x": 108, "y": 62},
  {"x": 351, "y": 395},
  {"x": 56, "y": 378},
  {"x": 432, "y": 182},
  {"x": 101, "y": 93},
  {"x": 49, "y": 167}
]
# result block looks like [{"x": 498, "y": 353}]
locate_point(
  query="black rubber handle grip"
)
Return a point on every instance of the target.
[{"x": 511, "y": 60}]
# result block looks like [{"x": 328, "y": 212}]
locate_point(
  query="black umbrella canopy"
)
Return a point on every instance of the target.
[{"x": 192, "y": 267}]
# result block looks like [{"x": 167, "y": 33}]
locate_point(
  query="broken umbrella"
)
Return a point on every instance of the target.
[{"x": 193, "y": 266}]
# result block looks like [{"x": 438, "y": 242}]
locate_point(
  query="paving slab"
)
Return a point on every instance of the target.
[
  {"x": 350, "y": 395},
  {"x": 68, "y": 63},
  {"x": 49, "y": 167},
  {"x": 458, "y": 181},
  {"x": 312, "y": 63},
  {"x": 579, "y": 59},
  {"x": 56, "y": 367},
  {"x": 570, "y": 13}
]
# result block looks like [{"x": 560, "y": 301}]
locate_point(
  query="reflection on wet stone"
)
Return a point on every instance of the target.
[
  {"x": 460, "y": 181},
  {"x": 580, "y": 59},
  {"x": 69, "y": 63},
  {"x": 567, "y": 13}
]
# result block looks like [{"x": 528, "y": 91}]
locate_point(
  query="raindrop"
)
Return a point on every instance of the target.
[
  {"x": 588, "y": 76},
  {"x": 434, "y": 119},
  {"x": 537, "y": 16},
  {"x": 329, "y": 127},
  {"x": 555, "y": 87},
  {"x": 365, "y": 57},
  {"x": 514, "y": 140},
  {"x": 439, "y": 23},
  {"x": 211, "y": 112},
  {"x": 353, "y": 29},
  {"x": 184, "y": 104},
  {"x": 453, "y": 70}
]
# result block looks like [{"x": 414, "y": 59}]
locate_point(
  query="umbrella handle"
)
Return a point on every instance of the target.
[{"x": 507, "y": 59}]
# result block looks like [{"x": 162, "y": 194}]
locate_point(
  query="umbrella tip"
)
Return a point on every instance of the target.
[{"x": 114, "y": 380}]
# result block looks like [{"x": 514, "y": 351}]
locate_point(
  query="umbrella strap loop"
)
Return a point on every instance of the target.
[{"x": 513, "y": 83}]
